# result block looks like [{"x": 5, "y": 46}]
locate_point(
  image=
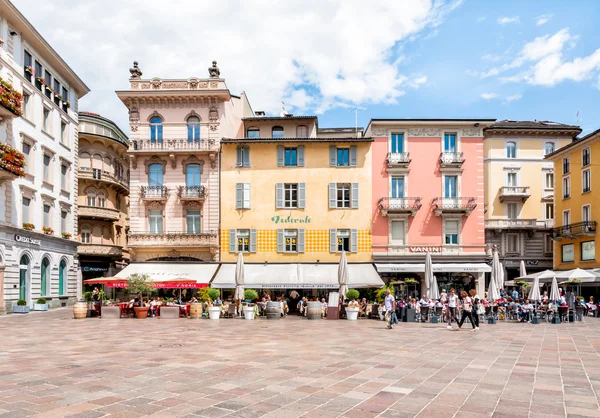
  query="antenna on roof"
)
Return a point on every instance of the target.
[
  {"x": 284, "y": 113},
  {"x": 355, "y": 110},
  {"x": 578, "y": 119}
]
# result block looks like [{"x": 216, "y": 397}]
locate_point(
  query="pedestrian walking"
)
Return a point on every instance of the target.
[
  {"x": 389, "y": 307},
  {"x": 452, "y": 305},
  {"x": 467, "y": 304},
  {"x": 476, "y": 306}
]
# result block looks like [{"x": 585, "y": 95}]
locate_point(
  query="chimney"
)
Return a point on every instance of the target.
[{"x": 259, "y": 113}]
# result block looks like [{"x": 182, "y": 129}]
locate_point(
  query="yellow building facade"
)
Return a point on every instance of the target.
[
  {"x": 577, "y": 203},
  {"x": 519, "y": 191},
  {"x": 289, "y": 196}
]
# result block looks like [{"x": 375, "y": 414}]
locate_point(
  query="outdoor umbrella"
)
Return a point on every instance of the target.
[
  {"x": 429, "y": 275},
  {"x": 343, "y": 276},
  {"x": 554, "y": 294},
  {"x": 534, "y": 294},
  {"x": 493, "y": 293},
  {"x": 497, "y": 272},
  {"x": 434, "y": 291},
  {"x": 522, "y": 271},
  {"x": 544, "y": 276},
  {"x": 578, "y": 274},
  {"x": 239, "y": 278}
]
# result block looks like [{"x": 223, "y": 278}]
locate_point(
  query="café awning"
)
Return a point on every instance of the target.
[
  {"x": 297, "y": 276},
  {"x": 437, "y": 268}
]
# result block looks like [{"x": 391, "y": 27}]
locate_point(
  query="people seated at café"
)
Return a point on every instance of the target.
[
  {"x": 302, "y": 306},
  {"x": 363, "y": 306},
  {"x": 324, "y": 307},
  {"x": 218, "y": 302},
  {"x": 353, "y": 304}
]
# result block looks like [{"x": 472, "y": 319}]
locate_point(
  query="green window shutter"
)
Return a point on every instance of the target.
[
  {"x": 354, "y": 195},
  {"x": 246, "y": 162},
  {"x": 301, "y": 195},
  {"x": 300, "y": 155},
  {"x": 354, "y": 240},
  {"x": 353, "y": 156},
  {"x": 253, "y": 240},
  {"x": 280, "y": 247},
  {"x": 239, "y": 195},
  {"x": 301, "y": 241},
  {"x": 279, "y": 195},
  {"x": 332, "y": 196},
  {"x": 333, "y": 240},
  {"x": 280, "y": 155},
  {"x": 332, "y": 156},
  {"x": 232, "y": 241}
]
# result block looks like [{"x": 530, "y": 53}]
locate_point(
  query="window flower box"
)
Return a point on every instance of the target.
[
  {"x": 12, "y": 160},
  {"x": 66, "y": 235},
  {"x": 41, "y": 80},
  {"x": 30, "y": 69},
  {"x": 68, "y": 104},
  {"x": 28, "y": 226},
  {"x": 47, "y": 230},
  {"x": 11, "y": 99}
]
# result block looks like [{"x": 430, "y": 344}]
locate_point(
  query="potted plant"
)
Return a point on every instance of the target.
[
  {"x": 47, "y": 230},
  {"x": 21, "y": 307},
  {"x": 214, "y": 312},
  {"x": 41, "y": 80},
  {"x": 30, "y": 69},
  {"x": 66, "y": 235},
  {"x": 68, "y": 104},
  {"x": 140, "y": 284},
  {"x": 110, "y": 311},
  {"x": 40, "y": 305},
  {"x": 352, "y": 311},
  {"x": 28, "y": 227},
  {"x": 249, "y": 311}
]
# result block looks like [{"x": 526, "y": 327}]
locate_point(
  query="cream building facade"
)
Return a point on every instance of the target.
[
  {"x": 519, "y": 191},
  {"x": 41, "y": 260},
  {"x": 103, "y": 201},
  {"x": 176, "y": 127}
]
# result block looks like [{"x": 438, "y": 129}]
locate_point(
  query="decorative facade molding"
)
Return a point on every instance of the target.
[
  {"x": 100, "y": 250},
  {"x": 99, "y": 213},
  {"x": 155, "y": 160},
  {"x": 213, "y": 113},
  {"x": 192, "y": 159},
  {"x": 192, "y": 113},
  {"x": 430, "y": 131},
  {"x": 154, "y": 115},
  {"x": 379, "y": 132},
  {"x": 174, "y": 239}
]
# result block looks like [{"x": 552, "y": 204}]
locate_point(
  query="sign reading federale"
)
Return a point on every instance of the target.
[
  {"x": 27, "y": 240},
  {"x": 289, "y": 220}
]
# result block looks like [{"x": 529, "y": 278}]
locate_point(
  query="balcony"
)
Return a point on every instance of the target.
[
  {"x": 514, "y": 193},
  {"x": 155, "y": 193},
  {"x": 93, "y": 212},
  {"x": 11, "y": 101},
  {"x": 451, "y": 159},
  {"x": 100, "y": 250},
  {"x": 173, "y": 239},
  {"x": 171, "y": 145},
  {"x": 120, "y": 183},
  {"x": 527, "y": 224},
  {"x": 191, "y": 193},
  {"x": 398, "y": 160},
  {"x": 12, "y": 163},
  {"x": 454, "y": 205},
  {"x": 399, "y": 206},
  {"x": 573, "y": 231}
]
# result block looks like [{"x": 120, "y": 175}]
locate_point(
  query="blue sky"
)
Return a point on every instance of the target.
[{"x": 398, "y": 59}]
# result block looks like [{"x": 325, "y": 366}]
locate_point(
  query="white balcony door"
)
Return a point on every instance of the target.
[
  {"x": 397, "y": 191},
  {"x": 397, "y": 232}
]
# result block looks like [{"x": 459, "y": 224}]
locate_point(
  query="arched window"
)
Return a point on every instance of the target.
[
  {"x": 193, "y": 129},
  {"x": 101, "y": 199},
  {"x": 45, "y": 276},
  {"x": 107, "y": 164},
  {"x": 277, "y": 132},
  {"x": 62, "y": 277},
  {"x": 548, "y": 148},
  {"x": 155, "y": 175},
  {"x": 192, "y": 175},
  {"x": 91, "y": 198},
  {"x": 86, "y": 233},
  {"x": 23, "y": 277},
  {"x": 301, "y": 131},
  {"x": 156, "y": 130},
  {"x": 85, "y": 160},
  {"x": 511, "y": 150}
]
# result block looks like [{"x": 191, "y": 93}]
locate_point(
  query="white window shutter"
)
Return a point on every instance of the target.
[
  {"x": 279, "y": 195},
  {"x": 332, "y": 195},
  {"x": 253, "y": 240},
  {"x": 280, "y": 155},
  {"x": 246, "y": 195},
  {"x": 280, "y": 238},
  {"x": 232, "y": 241},
  {"x": 333, "y": 240},
  {"x": 300, "y": 155},
  {"x": 353, "y": 156},
  {"x": 301, "y": 245},
  {"x": 332, "y": 156},
  {"x": 354, "y": 195},
  {"x": 354, "y": 241},
  {"x": 301, "y": 195}
]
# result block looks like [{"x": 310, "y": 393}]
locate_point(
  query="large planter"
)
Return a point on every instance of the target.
[
  {"x": 80, "y": 310},
  {"x": 214, "y": 312},
  {"x": 20, "y": 309},
  {"x": 40, "y": 306},
  {"x": 141, "y": 312},
  {"x": 314, "y": 310},
  {"x": 352, "y": 313},
  {"x": 169, "y": 312},
  {"x": 273, "y": 310},
  {"x": 249, "y": 312},
  {"x": 196, "y": 311},
  {"x": 111, "y": 312}
]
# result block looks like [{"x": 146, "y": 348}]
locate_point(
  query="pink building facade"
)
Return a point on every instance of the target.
[{"x": 428, "y": 196}]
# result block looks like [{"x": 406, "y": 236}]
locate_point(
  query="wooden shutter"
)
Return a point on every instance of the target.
[
  {"x": 246, "y": 162},
  {"x": 354, "y": 241},
  {"x": 246, "y": 195},
  {"x": 354, "y": 196},
  {"x": 239, "y": 195},
  {"x": 301, "y": 195},
  {"x": 301, "y": 245},
  {"x": 300, "y": 155},
  {"x": 332, "y": 156},
  {"x": 332, "y": 240},
  {"x": 232, "y": 241},
  {"x": 253, "y": 240},
  {"x": 238, "y": 152},
  {"x": 279, "y": 195},
  {"x": 353, "y": 156},
  {"x": 280, "y": 156},
  {"x": 332, "y": 195},
  {"x": 280, "y": 241}
]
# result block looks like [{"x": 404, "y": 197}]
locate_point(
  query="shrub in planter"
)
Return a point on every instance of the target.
[
  {"x": 213, "y": 293},
  {"x": 140, "y": 283},
  {"x": 21, "y": 307},
  {"x": 21, "y": 302},
  {"x": 250, "y": 295},
  {"x": 87, "y": 296},
  {"x": 40, "y": 305},
  {"x": 352, "y": 294}
]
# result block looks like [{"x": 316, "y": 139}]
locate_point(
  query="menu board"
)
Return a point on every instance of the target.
[{"x": 334, "y": 299}]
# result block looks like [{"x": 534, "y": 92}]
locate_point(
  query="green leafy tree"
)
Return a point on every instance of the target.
[
  {"x": 213, "y": 293},
  {"x": 140, "y": 284},
  {"x": 352, "y": 294},
  {"x": 380, "y": 295},
  {"x": 250, "y": 294}
]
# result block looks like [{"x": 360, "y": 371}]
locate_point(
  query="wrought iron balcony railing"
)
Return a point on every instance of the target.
[
  {"x": 464, "y": 205},
  {"x": 518, "y": 224},
  {"x": 173, "y": 144},
  {"x": 103, "y": 175},
  {"x": 409, "y": 205},
  {"x": 172, "y": 239},
  {"x": 575, "y": 230},
  {"x": 155, "y": 192},
  {"x": 191, "y": 192}
]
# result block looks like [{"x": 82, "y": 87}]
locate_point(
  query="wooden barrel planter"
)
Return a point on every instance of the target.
[
  {"x": 314, "y": 310},
  {"x": 80, "y": 310},
  {"x": 196, "y": 311},
  {"x": 273, "y": 310}
]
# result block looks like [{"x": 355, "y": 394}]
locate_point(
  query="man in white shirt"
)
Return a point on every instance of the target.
[
  {"x": 452, "y": 305},
  {"x": 389, "y": 305}
]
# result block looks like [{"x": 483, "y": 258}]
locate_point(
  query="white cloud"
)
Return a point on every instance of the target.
[
  {"x": 542, "y": 19},
  {"x": 513, "y": 98},
  {"x": 489, "y": 96},
  {"x": 491, "y": 57},
  {"x": 333, "y": 51},
  {"x": 506, "y": 20},
  {"x": 504, "y": 100},
  {"x": 480, "y": 19}
]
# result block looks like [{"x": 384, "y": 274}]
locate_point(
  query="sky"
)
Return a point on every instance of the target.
[{"x": 503, "y": 59}]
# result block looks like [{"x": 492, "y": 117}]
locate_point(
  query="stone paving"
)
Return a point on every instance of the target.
[{"x": 54, "y": 366}]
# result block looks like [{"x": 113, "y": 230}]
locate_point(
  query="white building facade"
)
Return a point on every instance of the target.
[{"x": 38, "y": 212}]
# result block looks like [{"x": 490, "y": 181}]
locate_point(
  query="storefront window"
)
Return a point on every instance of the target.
[
  {"x": 568, "y": 253},
  {"x": 588, "y": 251}
]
